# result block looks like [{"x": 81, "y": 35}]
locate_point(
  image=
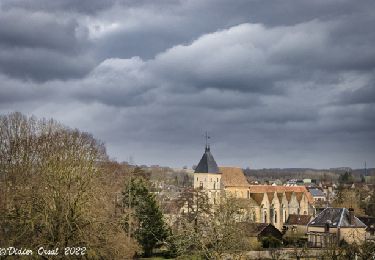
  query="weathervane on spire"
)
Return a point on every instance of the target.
[{"x": 207, "y": 142}]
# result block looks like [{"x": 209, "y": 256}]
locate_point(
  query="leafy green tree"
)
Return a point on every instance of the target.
[{"x": 149, "y": 228}]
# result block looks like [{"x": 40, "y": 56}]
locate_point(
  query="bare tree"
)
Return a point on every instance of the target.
[
  {"x": 53, "y": 189},
  {"x": 213, "y": 234}
]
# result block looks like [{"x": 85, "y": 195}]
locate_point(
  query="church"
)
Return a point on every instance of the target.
[{"x": 266, "y": 203}]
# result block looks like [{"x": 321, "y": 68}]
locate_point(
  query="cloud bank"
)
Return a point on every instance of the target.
[{"x": 288, "y": 84}]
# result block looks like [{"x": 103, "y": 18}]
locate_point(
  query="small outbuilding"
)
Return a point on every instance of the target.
[
  {"x": 262, "y": 230},
  {"x": 296, "y": 225}
]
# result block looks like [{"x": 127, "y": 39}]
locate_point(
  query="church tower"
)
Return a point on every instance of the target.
[{"x": 207, "y": 175}]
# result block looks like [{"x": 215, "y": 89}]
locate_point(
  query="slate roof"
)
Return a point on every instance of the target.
[
  {"x": 233, "y": 177},
  {"x": 295, "y": 219},
  {"x": 337, "y": 217},
  {"x": 317, "y": 193},
  {"x": 207, "y": 164}
]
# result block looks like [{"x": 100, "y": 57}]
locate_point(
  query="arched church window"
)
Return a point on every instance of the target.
[
  {"x": 275, "y": 217},
  {"x": 272, "y": 213},
  {"x": 214, "y": 185}
]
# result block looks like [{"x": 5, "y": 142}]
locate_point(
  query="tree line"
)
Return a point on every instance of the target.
[
  {"x": 59, "y": 189},
  {"x": 56, "y": 189}
]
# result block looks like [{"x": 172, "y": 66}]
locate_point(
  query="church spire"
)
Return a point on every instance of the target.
[{"x": 207, "y": 164}]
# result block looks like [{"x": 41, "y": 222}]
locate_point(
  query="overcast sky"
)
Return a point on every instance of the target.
[{"x": 276, "y": 83}]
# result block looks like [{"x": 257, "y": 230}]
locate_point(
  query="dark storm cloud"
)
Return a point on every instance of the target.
[
  {"x": 177, "y": 22},
  {"x": 13, "y": 91},
  {"x": 42, "y": 64},
  {"x": 40, "y": 46},
  {"x": 364, "y": 95},
  {"x": 37, "y": 30},
  {"x": 282, "y": 83},
  {"x": 82, "y": 6}
]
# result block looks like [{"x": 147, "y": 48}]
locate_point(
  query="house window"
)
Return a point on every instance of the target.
[{"x": 201, "y": 185}]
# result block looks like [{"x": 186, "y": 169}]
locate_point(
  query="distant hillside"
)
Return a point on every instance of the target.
[{"x": 283, "y": 174}]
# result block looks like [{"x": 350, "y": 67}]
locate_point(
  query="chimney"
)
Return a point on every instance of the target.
[
  {"x": 326, "y": 226},
  {"x": 351, "y": 216}
]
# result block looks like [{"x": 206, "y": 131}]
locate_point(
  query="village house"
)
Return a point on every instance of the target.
[
  {"x": 317, "y": 194},
  {"x": 333, "y": 225}
]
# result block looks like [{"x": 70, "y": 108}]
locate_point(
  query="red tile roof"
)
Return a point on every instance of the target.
[
  {"x": 233, "y": 177},
  {"x": 299, "y": 190}
]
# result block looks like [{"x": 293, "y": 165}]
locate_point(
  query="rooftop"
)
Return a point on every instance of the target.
[
  {"x": 335, "y": 217},
  {"x": 295, "y": 219},
  {"x": 280, "y": 189},
  {"x": 207, "y": 164},
  {"x": 316, "y": 193},
  {"x": 233, "y": 177}
]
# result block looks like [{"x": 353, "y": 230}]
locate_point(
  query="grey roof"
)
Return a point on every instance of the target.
[
  {"x": 316, "y": 193},
  {"x": 207, "y": 164},
  {"x": 336, "y": 217}
]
